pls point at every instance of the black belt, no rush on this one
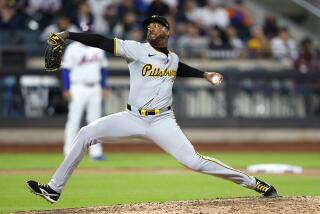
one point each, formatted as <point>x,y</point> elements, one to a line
<point>87,84</point>
<point>145,112</point>
<point>90,84</point>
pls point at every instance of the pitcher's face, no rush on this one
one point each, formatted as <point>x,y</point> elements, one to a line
<point>157,32</point>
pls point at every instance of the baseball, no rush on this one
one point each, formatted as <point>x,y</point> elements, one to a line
<point>216,79</point>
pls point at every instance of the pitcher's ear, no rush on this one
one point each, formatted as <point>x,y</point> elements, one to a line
<point>167,31</point>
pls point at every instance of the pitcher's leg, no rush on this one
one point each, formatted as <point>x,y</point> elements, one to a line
<point>71,161</point>
<point>167,134</point>
<point>113,126</point>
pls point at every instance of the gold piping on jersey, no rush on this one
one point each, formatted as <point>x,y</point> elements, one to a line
<point>210,160</point>
<point>150,71</point>
<point>115,46</point>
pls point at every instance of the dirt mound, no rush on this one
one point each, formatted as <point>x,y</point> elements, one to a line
<point>300,204</point>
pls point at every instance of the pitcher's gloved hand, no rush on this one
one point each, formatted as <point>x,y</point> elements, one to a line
<point>54,51</point>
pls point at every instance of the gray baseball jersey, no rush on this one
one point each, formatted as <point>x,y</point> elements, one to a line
<point>152,74</point>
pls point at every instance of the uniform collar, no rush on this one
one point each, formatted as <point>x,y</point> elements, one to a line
<point>162,50</point>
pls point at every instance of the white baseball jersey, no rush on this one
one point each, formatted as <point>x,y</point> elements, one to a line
<point>84,63</point>
<point>152,74</point>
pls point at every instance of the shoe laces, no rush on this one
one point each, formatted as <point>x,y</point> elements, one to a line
<point>262,187</point>
<point>44,186</point>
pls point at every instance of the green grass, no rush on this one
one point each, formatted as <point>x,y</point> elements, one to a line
<point>157,160</point>
<point>119,188</point>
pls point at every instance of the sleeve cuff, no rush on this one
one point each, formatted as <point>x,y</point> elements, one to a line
<point>115,47</point>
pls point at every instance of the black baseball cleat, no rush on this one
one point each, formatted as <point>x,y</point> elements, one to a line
<point>266,189</point>
<point>43,190</point>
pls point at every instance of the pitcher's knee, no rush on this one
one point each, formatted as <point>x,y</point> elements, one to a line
<point>84,135</point>
<point>192,162</point>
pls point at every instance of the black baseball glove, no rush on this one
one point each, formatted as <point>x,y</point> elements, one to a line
<point>54,52</point>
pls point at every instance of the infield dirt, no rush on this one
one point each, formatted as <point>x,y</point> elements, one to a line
<point>285,205</point>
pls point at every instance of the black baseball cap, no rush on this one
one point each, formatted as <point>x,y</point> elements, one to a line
<point>156,18</point>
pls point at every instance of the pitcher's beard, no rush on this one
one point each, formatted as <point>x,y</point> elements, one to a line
<point>158,41</point>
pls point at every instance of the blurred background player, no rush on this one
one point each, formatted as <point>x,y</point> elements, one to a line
<point>85,87</point>
<point>62,23</point>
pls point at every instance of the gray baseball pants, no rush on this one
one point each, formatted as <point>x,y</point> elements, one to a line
<point>161,129</point>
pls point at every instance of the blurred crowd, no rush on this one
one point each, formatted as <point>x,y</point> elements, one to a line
<point>204,28</point>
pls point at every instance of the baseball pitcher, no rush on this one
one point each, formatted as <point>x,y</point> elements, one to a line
<point>153,69</point>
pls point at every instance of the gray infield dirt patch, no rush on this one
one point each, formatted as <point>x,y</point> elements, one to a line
<point>281,205</point>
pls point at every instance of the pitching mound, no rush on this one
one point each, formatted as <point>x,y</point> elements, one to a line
<point>301,204</point>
